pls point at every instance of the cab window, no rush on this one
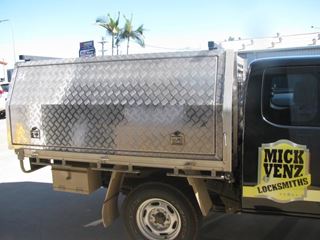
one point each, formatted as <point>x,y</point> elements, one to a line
<point>290,96</point>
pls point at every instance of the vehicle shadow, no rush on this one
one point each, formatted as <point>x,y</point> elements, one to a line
<point>30,210</point>
<point>220,226</point>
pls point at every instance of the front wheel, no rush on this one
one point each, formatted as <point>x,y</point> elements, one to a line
<point>157,211</point>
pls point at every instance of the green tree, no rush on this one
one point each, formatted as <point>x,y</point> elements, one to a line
<point>111,25</point>
<point>127,33</point>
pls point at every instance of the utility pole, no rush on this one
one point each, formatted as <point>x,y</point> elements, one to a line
<point>103,42</point>
<point>12,36</point>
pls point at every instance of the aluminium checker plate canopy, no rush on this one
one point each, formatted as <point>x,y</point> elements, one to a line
<point>167,105</point>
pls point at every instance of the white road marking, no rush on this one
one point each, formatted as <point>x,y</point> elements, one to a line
<point>94,223</point>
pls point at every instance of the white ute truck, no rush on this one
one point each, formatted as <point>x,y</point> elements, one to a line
<point>179,134</point>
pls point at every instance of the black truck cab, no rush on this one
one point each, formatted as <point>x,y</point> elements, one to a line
<point>281,148</point>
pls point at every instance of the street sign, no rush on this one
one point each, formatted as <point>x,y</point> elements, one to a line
<point>87,49</point>
<point>87,53</point>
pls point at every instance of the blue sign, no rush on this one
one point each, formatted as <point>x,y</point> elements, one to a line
<point>87,49</point>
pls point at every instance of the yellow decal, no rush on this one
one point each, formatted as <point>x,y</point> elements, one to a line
<point>283,172</point>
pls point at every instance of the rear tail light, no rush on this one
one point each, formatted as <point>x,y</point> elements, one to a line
<point>1,91</point>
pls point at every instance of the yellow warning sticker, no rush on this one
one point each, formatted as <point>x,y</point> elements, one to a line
<point>283,172</point>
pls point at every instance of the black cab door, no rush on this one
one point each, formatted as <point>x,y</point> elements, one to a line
<point>281,144</point>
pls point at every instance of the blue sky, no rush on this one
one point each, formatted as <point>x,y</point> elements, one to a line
<point>55,27</point>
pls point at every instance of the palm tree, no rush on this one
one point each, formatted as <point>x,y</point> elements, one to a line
<point>128,33</point>
<point>118,40</point>
<point>111,25</point>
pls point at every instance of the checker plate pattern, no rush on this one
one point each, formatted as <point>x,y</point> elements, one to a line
<point>126,104</point>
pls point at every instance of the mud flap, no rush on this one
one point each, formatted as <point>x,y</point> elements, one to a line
<point>201,193</point>
<point>110,210</point>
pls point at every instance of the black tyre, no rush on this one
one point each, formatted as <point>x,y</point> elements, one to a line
<point>156,211</point>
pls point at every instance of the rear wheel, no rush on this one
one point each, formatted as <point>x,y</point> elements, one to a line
<point>157,211</point>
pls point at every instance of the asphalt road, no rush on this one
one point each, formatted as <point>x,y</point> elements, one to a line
<point>31,210</point>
